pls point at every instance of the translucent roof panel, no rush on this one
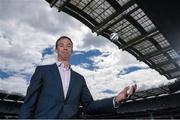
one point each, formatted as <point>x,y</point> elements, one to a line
<point>131,21</point>
<point>168,67</point>
<point>130,9</point>
<point>99,10</point>
<point>159,59</point>
<point>149,50</point>
<point>146,24</point>
<point>109,23</point>
<point>125,30</point>
<point>161,40</point>
<point>138,14</point>
<point>173,54</point>
<point>122,2</point>
<point>174,74</point>
<point>119,26</point>
<point>118,17</point>
<point>80,3</point>
<point>128,33</point>
<point>145,47</point>
<point>143,20</point>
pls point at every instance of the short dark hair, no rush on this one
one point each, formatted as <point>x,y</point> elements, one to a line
<point>63,37</point>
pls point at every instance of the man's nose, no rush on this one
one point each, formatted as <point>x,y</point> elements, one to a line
<point>65,48</point>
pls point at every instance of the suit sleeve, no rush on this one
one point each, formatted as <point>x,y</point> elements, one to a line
<point>90,106</point>
<point>32,94</point>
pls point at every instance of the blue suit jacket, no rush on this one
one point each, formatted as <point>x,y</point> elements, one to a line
<point>45,97</point>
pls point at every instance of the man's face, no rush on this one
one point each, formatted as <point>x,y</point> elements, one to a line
<point>64,49</point>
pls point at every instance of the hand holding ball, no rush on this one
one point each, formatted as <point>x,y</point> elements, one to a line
<point>132,88</point>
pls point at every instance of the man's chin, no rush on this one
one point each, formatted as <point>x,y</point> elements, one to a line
<point>67,58</point>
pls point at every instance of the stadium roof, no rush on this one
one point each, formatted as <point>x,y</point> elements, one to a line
<point>148,29</point>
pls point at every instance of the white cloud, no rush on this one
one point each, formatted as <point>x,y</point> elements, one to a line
<point>106,77</point>
<point>14,84</point>
<point>23,37</point>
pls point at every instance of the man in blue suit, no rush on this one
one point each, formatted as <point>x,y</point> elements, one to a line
<point>56,91</point>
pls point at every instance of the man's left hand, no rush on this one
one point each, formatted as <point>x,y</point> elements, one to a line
<point>125,93</point>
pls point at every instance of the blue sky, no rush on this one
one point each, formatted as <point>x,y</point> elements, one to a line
<point>28,32</point>
<point>83,57</point>
<point>4,74</point>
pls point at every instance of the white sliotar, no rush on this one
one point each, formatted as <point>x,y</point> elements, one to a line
<point>131,86</point>
<point>114,37</point>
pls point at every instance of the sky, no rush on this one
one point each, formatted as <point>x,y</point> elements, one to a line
<point>28,32</point>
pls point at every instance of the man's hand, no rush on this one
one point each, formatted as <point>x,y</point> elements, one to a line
<point>125,93</point>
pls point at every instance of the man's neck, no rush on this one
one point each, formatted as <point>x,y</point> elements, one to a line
<point>65,62</point>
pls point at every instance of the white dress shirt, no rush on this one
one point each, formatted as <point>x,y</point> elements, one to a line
<point>65,73</point>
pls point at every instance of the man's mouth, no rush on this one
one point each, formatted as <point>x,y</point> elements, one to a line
<point>65,53</point>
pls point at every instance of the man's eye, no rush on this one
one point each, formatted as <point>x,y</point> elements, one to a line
<point>60,45</point>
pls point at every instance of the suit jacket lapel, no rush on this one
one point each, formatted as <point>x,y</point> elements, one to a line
<point>57,77</point>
